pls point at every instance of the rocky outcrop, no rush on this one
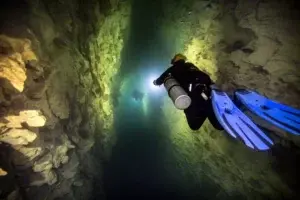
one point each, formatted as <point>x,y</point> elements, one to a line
<point>240,44</point>
<point>54,94</point>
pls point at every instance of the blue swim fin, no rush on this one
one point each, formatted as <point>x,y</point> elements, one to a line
<point>237,124</point>
<point>280,115</point>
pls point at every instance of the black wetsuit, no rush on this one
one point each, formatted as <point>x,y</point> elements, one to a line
<point>194,82</point>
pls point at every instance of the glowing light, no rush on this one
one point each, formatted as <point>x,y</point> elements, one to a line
<point>150,83</point>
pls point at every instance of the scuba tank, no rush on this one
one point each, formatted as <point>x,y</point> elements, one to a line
<point>179,97</point>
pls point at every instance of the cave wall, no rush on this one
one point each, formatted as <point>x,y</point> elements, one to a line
<point>58,60</point>
<point>252,44</point>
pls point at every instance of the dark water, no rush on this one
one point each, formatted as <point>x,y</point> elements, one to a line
<point>143,164</point>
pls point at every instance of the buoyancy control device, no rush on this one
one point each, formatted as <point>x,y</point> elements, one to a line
<point>178,95</point>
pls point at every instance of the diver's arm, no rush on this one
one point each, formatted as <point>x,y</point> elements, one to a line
<point>162,77</point>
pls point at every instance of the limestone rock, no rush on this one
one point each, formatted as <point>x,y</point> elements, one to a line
<point>15,53</point>
<point>44,163</point>
<point>58,100</point>
<point>23,155</point>
<point>32,118</point>
<point>37,90</point>
<point>85,144</point>
<point>236,37</point>
<point>18,137</point>
<point>22,46</point>
<point>69,170</point>
<point>63,190</point>
<point>46,177</point>
<point>265,49</point>
<point>58,144</point>
<point>39,80</point>
<point>237,57</point>
<point>12,72</point>
<point>3,172</point>
<point>60,155</point>
<point>3,100</point>
<point>43,105</point>
<point>27,54</point>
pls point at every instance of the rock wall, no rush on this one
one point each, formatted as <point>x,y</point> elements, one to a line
<point>251,44</point>
<point>57,62</point>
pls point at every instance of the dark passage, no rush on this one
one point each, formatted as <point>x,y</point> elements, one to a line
<point>142,163</point>
<point>136,168</point>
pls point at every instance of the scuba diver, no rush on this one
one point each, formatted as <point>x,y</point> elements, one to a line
<point>197,85</point>
<point>194,92</point>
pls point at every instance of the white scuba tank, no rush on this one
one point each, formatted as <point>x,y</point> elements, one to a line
<point>179,97</point>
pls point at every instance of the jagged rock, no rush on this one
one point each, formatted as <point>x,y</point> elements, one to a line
<point>41,79</point>
<point>18,137</point>
<point>32,118</point>
<point>85,144</point>
<point>52,106</point>
<point>236,37</point>
<point>60,155</point>
<point>43,105</point>
<point>45,177</point>
<point>12,62</point>
<point>37,91</point>
<point>22,46</point>
<point>27,54</point>
<point>58,144</point>
<point>63,189</point>
<point>23,156</point>
<point>44,163</point>
<point>12,73</point>
<point>265,49</point>
<point>237,57</point>
<point>3,172</point>
<point>58,100</point>
<point>69,169</point>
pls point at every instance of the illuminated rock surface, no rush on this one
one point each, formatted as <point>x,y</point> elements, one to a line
<point>80,119</point>
<point>57,63</point>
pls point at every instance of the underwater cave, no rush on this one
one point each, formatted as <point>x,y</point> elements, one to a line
<point>81,118</point>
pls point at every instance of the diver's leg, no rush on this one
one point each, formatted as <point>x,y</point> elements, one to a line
<point>212,118</point>
<point>194,117</point>
<point>195,122</point>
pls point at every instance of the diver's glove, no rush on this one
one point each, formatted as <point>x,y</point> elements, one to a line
<point>154,83</point>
